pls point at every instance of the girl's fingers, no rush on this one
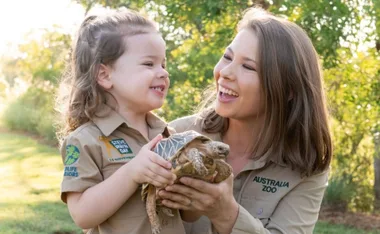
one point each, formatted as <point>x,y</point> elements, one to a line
<point>151,144</point>
<point>157,180</point>
<point>160,161</point>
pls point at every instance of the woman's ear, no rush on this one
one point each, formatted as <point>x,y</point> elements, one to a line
<point>104,77</point>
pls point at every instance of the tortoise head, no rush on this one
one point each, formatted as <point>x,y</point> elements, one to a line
<point>219,149</point>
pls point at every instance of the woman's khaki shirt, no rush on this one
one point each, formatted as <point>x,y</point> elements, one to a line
<point>273,198</point>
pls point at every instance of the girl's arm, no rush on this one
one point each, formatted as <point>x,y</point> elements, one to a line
<point>97,203</point>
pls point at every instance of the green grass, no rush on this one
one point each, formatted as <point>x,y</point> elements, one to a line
<point>326,228</point>
<point>30,198</point>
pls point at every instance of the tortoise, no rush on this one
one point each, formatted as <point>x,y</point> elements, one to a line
<point>191,154</point>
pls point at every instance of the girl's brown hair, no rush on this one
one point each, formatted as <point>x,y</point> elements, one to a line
<point>100,40</point>
<point>296,129</point>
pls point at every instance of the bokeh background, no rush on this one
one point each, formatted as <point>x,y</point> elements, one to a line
<point>34,49</point>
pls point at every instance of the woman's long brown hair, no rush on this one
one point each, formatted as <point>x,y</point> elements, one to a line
<point>296,129</point>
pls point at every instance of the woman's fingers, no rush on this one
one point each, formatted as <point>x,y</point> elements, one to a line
<point>175,197</point>
<point>174,205</point>
<point>184,190</point>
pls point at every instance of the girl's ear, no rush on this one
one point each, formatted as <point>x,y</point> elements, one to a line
<point>104,77</point>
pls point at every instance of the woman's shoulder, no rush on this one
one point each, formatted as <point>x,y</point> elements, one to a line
<point>186,123</point>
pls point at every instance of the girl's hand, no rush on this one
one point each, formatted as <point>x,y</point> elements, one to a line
<point>213,200</point>
<point>148,167</point>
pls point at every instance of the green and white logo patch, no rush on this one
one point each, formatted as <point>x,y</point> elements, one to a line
<point>72,154</point>
<point>121,145</point>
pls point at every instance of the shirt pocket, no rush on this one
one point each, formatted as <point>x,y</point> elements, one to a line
<point>259,208</point>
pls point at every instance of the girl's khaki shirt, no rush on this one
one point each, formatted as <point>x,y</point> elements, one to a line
<point>94,151</point>
<point>272,197</point>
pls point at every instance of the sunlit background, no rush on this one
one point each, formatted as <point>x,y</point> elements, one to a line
<point>35,40</point>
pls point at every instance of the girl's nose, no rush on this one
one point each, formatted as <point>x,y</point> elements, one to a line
<point>163,73</point>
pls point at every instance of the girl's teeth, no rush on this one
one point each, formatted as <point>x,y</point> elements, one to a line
<point>158,88</point>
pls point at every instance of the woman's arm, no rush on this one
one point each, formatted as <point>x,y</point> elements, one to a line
<point>297,212</point>
<point>197,197</point>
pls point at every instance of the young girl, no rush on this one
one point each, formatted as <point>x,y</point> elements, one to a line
<point>117,78</point>
<point>269,106</point>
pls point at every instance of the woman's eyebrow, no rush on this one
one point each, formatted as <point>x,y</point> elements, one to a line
<point>248,59</point>
<point>244,57</point>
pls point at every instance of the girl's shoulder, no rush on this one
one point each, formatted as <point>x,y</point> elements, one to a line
<point>84,133</point>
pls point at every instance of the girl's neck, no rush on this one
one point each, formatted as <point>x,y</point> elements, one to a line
<point>242,136</point>
<point>135,120</point>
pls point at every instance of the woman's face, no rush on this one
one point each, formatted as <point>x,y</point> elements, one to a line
<point>238,85</point>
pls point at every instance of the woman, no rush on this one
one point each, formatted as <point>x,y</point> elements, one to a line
<point>270,108</point>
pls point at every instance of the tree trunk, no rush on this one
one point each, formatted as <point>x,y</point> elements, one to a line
<point>377,173</point>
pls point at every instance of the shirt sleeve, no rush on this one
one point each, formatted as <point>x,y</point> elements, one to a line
<point>82,164</point>
<point>296,213</point>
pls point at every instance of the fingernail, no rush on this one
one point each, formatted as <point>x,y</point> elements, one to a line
<point>183,180</point>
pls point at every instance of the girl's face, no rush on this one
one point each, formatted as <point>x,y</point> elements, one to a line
<point>139,80</point>
<point>238,85</point>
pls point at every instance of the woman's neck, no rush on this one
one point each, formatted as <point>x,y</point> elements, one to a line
<point>242,136</point>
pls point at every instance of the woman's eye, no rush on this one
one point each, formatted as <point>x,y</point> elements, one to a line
<point>149,64</point>
<point>227,57</point>
<point>249,67</point>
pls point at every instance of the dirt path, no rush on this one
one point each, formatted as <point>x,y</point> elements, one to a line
<point>356,220</point>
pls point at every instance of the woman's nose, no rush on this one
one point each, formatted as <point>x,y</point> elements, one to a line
<point>228,72</point>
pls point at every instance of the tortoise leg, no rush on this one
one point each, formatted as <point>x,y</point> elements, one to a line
<point>224,171</point>
<point>167,211</point>
<point>196,159</point>
<point>151,210</point>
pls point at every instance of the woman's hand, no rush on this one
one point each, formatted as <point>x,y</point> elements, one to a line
<point>216,201</point>
<point>148,167</point>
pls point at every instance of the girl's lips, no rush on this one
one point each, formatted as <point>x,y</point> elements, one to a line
<point>158,90</point>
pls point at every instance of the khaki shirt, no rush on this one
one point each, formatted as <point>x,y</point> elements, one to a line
<point>94,151</point>
<point>272,197</point>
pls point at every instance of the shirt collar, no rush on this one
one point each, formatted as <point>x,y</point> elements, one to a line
<point>107,119</point>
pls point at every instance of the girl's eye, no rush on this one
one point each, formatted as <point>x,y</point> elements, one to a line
<point>227,57</point>
<point>149,64</point>
<point>164,65</point>
<point>249,68</point>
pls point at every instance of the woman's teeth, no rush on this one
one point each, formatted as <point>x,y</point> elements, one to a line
<point>228,91</point>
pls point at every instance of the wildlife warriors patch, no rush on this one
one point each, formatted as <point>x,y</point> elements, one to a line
<point>72,154</point>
